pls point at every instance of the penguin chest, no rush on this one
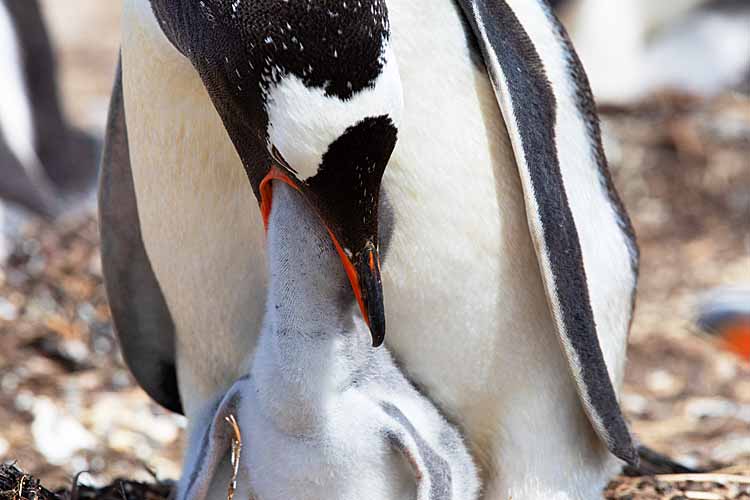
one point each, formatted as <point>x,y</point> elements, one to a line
<point>466,311</point>
<point>348,457</point>
<point>199,219</point>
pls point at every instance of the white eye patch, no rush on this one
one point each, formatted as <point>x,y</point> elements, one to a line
<point>303,121</point>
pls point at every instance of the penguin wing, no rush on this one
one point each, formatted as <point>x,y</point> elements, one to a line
<point>139,311</point>
<point>432,471</point>
<point>220,434</point>
<point>582,236</point>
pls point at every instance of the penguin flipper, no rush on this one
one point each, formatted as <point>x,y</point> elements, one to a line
<point>203,458</point>
<point>432,471</point>
<point>583,239</point>
<point>140,314</point>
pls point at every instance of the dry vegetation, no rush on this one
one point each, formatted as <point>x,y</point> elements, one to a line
<point>683,167</point>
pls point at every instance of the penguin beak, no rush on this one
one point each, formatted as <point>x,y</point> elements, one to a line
<point>363,271</point>
<point>736,338</point>
<point>362,266</point>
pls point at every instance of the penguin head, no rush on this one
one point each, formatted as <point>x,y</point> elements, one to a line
<point>310,95</point>
<point>724,314</point>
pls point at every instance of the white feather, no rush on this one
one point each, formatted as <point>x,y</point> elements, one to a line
<point>304,121</point>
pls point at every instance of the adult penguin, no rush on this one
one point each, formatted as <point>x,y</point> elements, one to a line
<point>43,159</point>
<point>510,267</point>
<point>636,48</point>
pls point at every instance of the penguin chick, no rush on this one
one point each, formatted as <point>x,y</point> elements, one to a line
<point>323,414</point>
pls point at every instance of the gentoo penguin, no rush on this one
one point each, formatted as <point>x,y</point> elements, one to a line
<point>712,44</point>
<point>634,48</point>
<point>23,180</point>
<point>724,313</point>
<point>323,414</point>
<point>43,160</point>
<point>511,264</point>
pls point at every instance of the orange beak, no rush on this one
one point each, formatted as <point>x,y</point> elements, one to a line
<point>362,268</point>
<point>736,338</point>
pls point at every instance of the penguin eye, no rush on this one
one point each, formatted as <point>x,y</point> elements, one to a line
<point>279,158</point>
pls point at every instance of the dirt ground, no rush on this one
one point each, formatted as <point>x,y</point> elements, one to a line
<point>67,404</point>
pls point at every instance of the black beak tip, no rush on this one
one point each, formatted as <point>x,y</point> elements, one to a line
<point>377,331</point>
<point>372,293</point>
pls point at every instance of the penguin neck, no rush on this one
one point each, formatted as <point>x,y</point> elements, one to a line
<point>313,341</point>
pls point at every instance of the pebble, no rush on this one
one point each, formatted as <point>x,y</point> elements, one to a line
<point>731,448</point>
<point>710,407</point>
<point>8,310</point>
<point>140,422</point>
<point>634,403</point>
<point>58,436</point>
<point>663,384</point>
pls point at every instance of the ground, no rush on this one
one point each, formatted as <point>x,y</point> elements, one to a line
<point>682,166</point>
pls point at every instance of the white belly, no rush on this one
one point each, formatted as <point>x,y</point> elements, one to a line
<point>466,312</point>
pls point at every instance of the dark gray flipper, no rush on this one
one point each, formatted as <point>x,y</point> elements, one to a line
<point>432,471</point>
<point>531,105</point>
<point>653,462</point>
<point>139,311</point>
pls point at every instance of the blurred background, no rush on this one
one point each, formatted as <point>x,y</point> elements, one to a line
<point>672,80</point>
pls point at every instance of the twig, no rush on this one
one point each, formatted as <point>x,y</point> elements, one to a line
<point>74,491</point>
<point>150,471</point>
<point>236,451</point>
<point>704,478</point>
<point>19,493</point>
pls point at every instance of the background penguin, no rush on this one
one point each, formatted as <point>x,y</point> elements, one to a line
<point>507,239</point>
<point>322,413</point>
<point>44,162</point>
<point>636,47</point>
<point>724,313</point>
